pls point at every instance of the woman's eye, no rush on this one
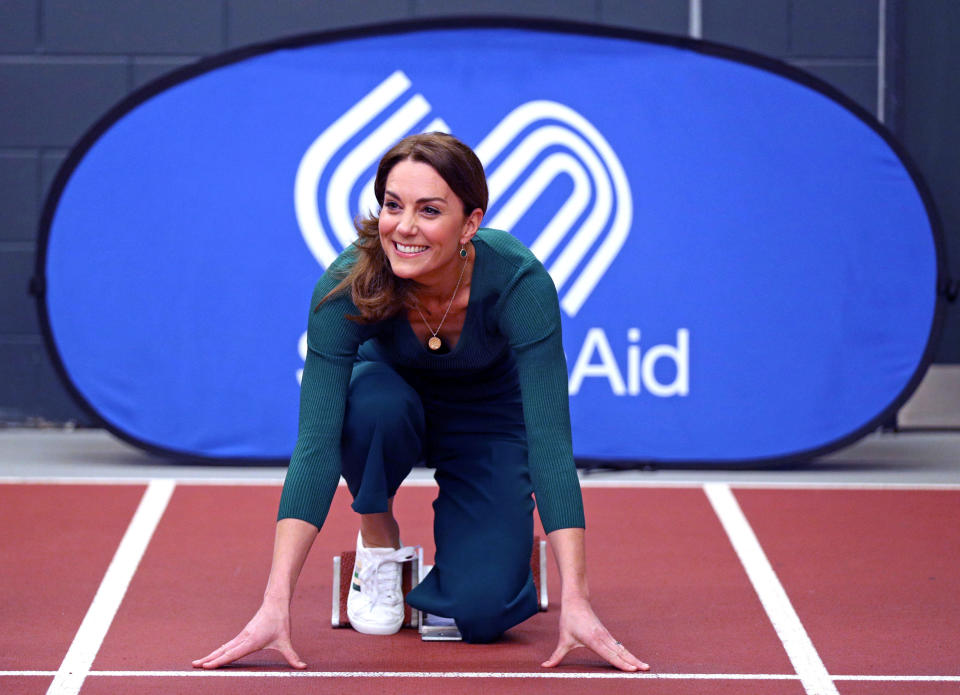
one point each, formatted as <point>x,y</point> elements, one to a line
<point>431,210</point>
<point>391,205</point>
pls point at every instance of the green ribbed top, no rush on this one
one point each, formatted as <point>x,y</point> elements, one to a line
<point>513,305</point>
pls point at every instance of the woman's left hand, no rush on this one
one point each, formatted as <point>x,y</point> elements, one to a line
<point>580,627</point>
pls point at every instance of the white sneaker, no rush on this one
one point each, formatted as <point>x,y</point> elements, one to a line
<point>375,601</point>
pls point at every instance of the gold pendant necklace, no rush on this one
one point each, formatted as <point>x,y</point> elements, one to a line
<point>434,342</point>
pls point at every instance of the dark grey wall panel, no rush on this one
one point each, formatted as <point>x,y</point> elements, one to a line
<point>132,26</point>
<point>949,349</point>
<point>29,387</point>
<point>50,163</point>
<point>931,108</point>
<point>669,16</point>
<point>252,21</point>
<point>150,68</point>
<point>19,197</point>
<point>859,82</point>
<point>827,28</point>
<point>18,25</point>
<point>550,9</point>
<point>757,25</point>
<point>19,314</point>
<point>52,101</point>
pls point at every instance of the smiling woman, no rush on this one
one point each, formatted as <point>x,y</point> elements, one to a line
<point>433,195</point>
<point>484,402</point>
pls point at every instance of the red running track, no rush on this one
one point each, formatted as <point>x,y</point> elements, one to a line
<point>871,574</point>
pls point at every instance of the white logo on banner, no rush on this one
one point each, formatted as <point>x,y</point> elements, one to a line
<point>585,157</point>
<point>596,216</point>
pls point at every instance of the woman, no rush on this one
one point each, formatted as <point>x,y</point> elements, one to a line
<point>434,340</point>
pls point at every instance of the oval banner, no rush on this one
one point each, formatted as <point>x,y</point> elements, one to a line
<point>746,264</point>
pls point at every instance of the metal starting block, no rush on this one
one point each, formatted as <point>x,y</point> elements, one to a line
<point>431,627</point>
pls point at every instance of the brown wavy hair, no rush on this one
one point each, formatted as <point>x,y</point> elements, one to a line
<point>376,292</point>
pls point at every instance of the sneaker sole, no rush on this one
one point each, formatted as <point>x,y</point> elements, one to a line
<point>374,629</point>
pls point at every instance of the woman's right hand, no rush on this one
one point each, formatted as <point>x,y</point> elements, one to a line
<point>269,629</point>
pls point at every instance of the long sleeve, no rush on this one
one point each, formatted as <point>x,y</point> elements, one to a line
<point>314,471</point>
<point>530,318</point>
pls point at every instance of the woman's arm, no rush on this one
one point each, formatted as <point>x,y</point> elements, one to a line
<point>579,625</point>
<point>290,548</point>
<point>530,318</point>
<point>270,626</point>
<point>309,487</point>
<point>311,479</point>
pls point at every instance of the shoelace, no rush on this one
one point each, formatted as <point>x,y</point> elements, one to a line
<point>380,573</point>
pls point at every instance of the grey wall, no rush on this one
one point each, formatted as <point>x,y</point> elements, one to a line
<point>928,116</point>
<point>63,63</point>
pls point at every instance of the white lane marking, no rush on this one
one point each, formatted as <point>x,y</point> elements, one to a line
<point>456,674</point>
<point>86,643</point>
<point>765,485</point>
<point>471,674</point>
<point>948,679</point>
<point>800,650</point>
<point>107,480</point>
<point>585,481</point>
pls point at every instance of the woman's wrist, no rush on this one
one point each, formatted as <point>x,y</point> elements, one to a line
<point>280,586</point>
<point>277,596</point>
<point>291,545</point>
<point>575,591</point>
<point>568,549</point>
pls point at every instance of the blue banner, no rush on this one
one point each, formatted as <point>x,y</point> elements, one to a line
<point>746,266</point>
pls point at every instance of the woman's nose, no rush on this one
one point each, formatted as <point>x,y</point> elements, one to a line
<point>407,224</point>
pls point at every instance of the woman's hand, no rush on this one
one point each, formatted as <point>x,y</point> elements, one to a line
<point>269,629</point>
<point>580,627</point>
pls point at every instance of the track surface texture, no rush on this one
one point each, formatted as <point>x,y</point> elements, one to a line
<point>779,589</point>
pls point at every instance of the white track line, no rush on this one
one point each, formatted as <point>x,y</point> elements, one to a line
<point>947,679</point>
<point>806,662</point>
<point>585,481</point>
<point>766,485</point>
<point>76,664</point>
<point>474,674</point>
<point>93,480</point>
<point>594,675</point>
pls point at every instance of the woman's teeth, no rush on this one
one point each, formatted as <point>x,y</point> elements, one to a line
<point>402,248</point>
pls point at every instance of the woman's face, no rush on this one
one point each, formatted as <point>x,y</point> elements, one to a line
<point>422,223</point>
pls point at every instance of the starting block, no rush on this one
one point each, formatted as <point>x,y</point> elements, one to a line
<point>431,627</point>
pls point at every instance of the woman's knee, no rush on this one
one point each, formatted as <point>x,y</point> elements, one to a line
<point>382,436</point>
<point>481,618</point>
<point>379,400</point>
<point>480,630</point>
<point>485,617</point>
<point>490,605</point>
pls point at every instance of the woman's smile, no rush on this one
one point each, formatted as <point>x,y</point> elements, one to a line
<point>408,249</point>
<point>422,226</point>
